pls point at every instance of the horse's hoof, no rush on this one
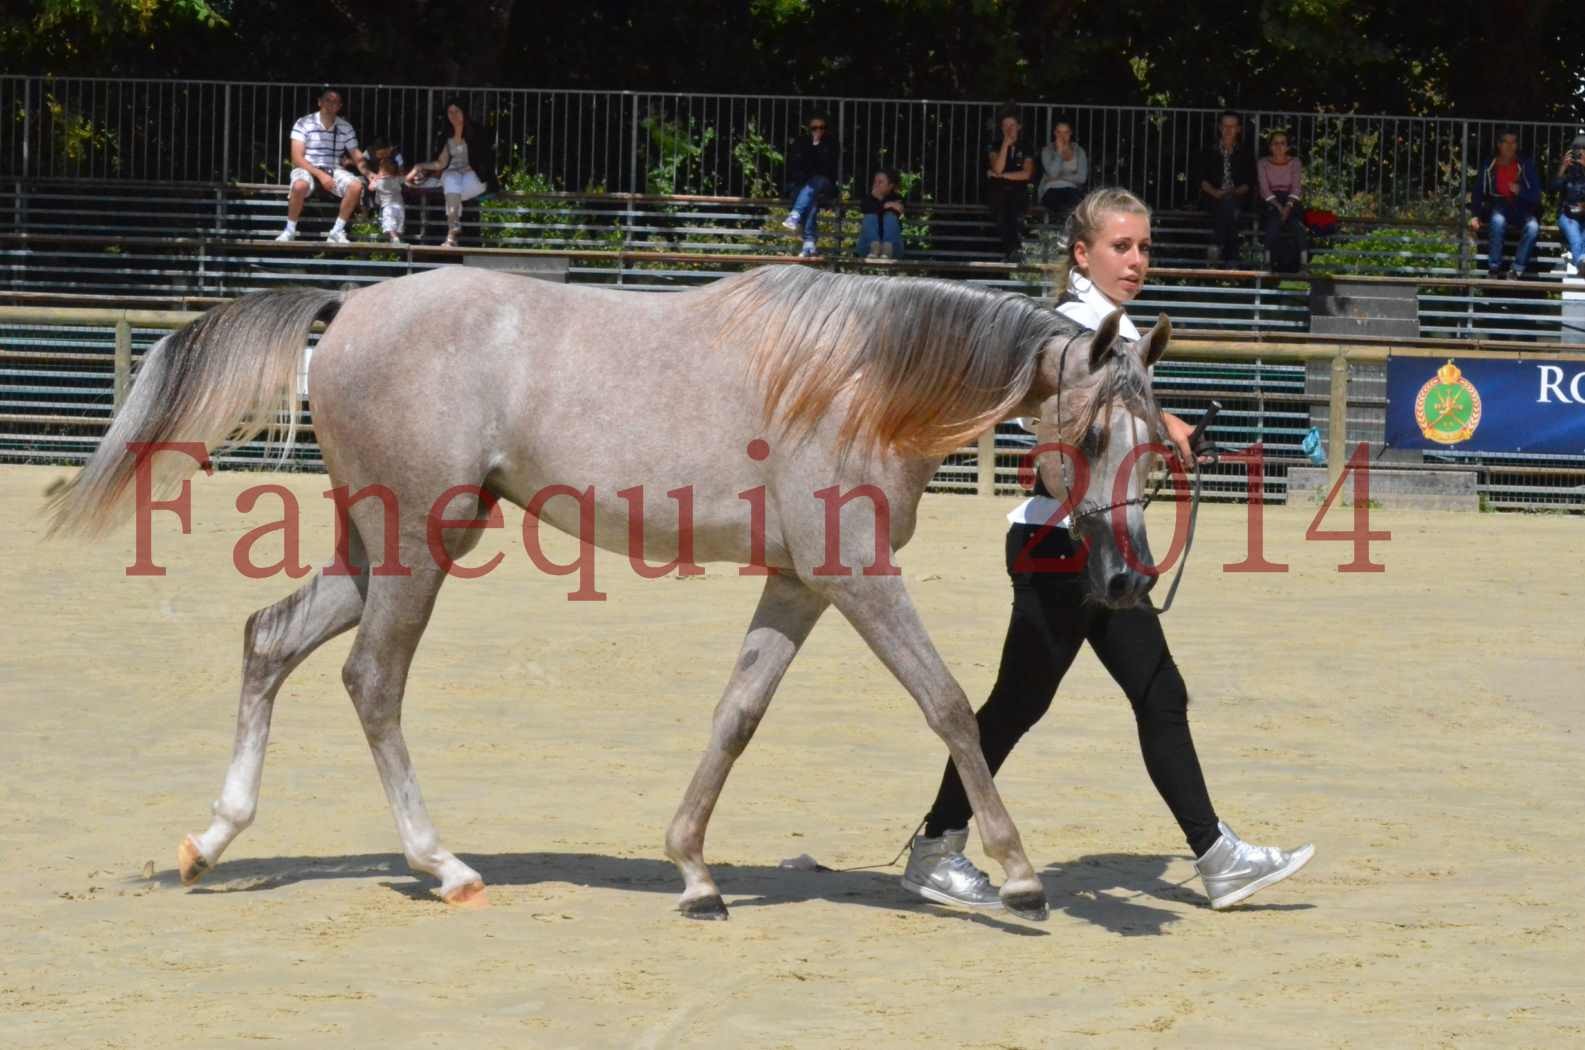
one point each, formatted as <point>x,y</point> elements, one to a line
<point>190,863</point>
<point>1031,906</point>
<point>469,895</point>
<point>711,907</point>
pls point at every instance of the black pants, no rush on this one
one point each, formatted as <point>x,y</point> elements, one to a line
<point>1059,201</point>
<point>1276,229</point>
<point>1008,201</point>
<point>1050,623</point>
<point>1226,214</point>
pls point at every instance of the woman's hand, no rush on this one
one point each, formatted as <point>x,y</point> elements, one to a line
<point>1178,434</point>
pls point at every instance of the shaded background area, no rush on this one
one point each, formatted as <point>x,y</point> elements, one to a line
<point>1493,58</point>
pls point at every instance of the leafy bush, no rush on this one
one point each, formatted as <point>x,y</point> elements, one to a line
<point>677,153</point>
<point>533,214</point>
<point>759,161</point>
<point>1388,250</point>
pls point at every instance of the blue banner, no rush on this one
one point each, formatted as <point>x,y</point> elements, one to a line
<point>1465,404</point>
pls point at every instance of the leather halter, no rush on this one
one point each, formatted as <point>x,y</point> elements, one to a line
<point>1077,515</point>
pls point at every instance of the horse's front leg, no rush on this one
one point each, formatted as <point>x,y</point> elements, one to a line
<point>881,611</point>
<point>786,614</point>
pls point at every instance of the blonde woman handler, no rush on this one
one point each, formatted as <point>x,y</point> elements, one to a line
<point>1109,254</point>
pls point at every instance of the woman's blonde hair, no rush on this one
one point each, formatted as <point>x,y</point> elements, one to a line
<point>1086,220</point>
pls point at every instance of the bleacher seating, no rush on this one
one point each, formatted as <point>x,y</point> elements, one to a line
<point>190,246</point>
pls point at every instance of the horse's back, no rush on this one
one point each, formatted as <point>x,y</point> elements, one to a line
<point>460,374</point>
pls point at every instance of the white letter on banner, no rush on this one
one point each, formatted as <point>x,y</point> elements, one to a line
<point>1573,387</point>
<point>1554,381</point>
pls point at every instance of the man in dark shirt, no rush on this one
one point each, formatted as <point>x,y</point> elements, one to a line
<point>811,178</point>
<point>1225,174</point>
<point>1009,171</point>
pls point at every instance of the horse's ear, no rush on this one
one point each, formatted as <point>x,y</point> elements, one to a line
<point>1105,335</point>
<point>1155,341</point>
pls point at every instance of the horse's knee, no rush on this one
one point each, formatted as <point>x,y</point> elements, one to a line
<point>734,728</point>
<point>953,721</point>
<point>370,687</point>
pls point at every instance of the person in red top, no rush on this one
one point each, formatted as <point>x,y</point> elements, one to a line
<point>1507,193</point>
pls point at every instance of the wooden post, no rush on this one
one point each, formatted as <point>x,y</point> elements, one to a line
<point>987,463</point>
<point>1337,420</point>
<point>123,361</point>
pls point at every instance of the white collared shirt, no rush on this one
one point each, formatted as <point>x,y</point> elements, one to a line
<point>1090,308</point>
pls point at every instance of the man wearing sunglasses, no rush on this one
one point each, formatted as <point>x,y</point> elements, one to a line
<point>811,178</point>
<point>318,142</point>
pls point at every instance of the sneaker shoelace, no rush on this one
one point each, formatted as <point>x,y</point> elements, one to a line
<point>964,866</point>
<point>1271,855</point>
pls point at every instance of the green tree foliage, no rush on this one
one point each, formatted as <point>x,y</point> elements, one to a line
<point>1479,58</point>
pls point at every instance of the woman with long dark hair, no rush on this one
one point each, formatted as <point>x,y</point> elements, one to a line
<point>465,161</point>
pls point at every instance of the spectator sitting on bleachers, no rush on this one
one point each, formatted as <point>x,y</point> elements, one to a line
<point>1507,193</point>
<point>318,143</point>
<point>386,183</point>
<point>811,178</point>
<point>1281,177</point>
<point>1570,183</point>
<point>1225,175</point>
<point>464,152</point>
<point>881,228</point>
<point>1008,173</point>
<point>1067,171</point>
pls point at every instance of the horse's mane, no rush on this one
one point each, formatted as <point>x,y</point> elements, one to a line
<point>928,365</point>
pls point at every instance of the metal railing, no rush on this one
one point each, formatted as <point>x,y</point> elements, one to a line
<point>201,131</point>
<point>64,371</point>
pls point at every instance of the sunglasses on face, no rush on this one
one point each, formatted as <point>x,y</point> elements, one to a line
<point>817,127</point>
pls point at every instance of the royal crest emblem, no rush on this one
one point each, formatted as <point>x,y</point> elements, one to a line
<point>1447,408</point>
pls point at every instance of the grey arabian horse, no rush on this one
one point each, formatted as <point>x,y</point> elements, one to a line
<point>762,389</point>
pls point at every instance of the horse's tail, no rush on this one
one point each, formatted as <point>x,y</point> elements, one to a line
<point>220,381</point>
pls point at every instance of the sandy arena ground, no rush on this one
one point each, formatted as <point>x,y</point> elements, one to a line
<point>1421,726</point>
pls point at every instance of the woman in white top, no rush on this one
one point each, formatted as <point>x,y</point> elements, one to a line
<point>1067,170</point>
<point>464,153</point>
<point>1108,256</point>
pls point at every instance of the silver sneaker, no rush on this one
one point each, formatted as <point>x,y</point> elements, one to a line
<point>792,222</point>
<point>938,871</point>
<point>1232,869</point>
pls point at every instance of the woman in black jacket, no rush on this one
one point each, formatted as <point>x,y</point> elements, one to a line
<point>1570,184</point>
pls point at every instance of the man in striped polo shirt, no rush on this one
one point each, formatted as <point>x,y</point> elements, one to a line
<point>318,142</point>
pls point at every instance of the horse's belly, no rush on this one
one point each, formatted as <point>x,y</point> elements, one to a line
<point>699,523</point>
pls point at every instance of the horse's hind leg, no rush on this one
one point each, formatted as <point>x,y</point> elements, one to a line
<point>275,641</point>
<point>394,617</point>
<point>786,614</point>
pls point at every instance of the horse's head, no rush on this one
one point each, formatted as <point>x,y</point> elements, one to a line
<point>1096,400</point>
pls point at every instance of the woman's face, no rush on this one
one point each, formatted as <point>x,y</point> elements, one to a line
<point>1118,257</point>
<point>1279,147</point>
<point>1061,135</point>
<point>455,115</point>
